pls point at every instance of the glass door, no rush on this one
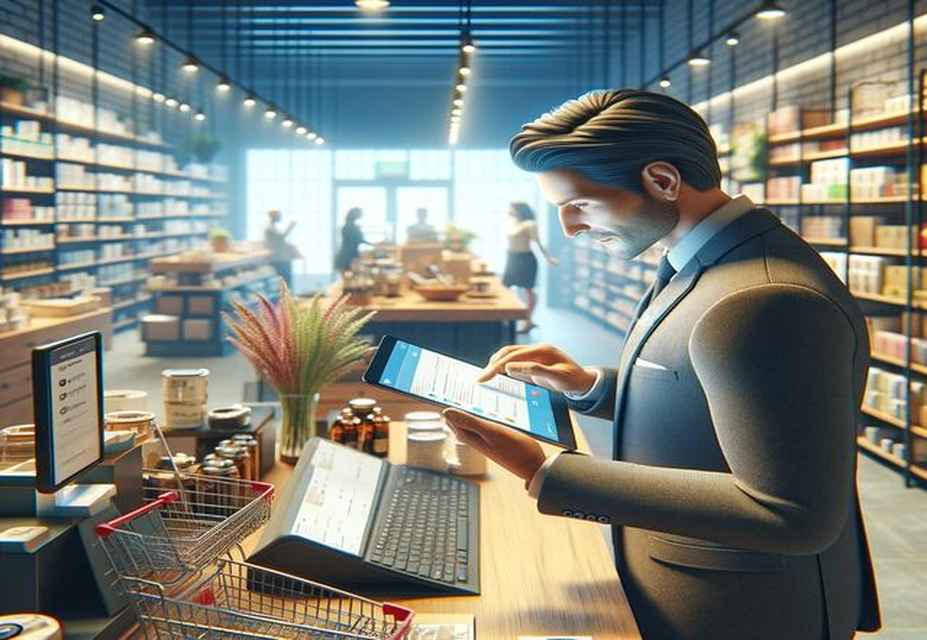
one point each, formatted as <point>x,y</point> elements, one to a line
<point>410,199</point>
<point>373,202</point>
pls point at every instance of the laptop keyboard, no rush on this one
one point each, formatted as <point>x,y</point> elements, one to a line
<point>425,527</point>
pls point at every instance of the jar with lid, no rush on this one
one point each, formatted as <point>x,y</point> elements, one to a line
<point>240,456</point>
<point>336,431</point>
<point>214,491</point>
<point>250,442</point>
<point>381,435</point>
<point>366,433</point>
<point>351,430</point>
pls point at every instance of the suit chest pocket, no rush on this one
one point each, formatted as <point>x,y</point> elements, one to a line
<point>644,370</point>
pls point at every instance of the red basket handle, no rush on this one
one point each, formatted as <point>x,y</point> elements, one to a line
<point>105,528</point>
<point>403,615</point>
<point>263,489</point>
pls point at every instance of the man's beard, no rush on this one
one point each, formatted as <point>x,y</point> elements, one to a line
<point>653,222</point>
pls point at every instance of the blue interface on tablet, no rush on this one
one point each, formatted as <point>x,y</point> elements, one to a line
<point>437,377</point>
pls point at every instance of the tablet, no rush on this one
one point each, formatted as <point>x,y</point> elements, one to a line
<point>446,381</point>
<point>67,391</point>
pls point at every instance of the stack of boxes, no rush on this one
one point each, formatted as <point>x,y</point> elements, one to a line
<point>783,188</point>
<point>828,181</point>
<point>14,176</point>
<point>868,183</point>
<point>885,392</point>
<point>22,209</point>
<point>26,137</point>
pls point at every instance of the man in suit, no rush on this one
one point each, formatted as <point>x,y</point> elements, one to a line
<point>732,487</point>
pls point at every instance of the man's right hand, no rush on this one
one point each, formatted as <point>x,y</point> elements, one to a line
<point>540,364</point>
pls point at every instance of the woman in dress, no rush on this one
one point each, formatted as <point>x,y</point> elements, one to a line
<point>351,239</point>
<point>521,265</point>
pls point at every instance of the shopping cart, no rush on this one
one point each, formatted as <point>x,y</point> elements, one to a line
<point>173,559</point>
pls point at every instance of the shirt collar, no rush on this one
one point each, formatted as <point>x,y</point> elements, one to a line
<point>691,243</point>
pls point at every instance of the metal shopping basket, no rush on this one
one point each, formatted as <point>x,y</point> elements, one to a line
<point>182,531</point>
<point>241,600</point>
<point>182,595</point>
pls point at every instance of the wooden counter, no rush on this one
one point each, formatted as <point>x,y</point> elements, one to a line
<point>16,347</point>
<point>540,575</point>
<point>210,262</point>
<point>472,328</point>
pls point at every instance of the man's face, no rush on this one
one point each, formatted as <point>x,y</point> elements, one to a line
<point>625,222</point>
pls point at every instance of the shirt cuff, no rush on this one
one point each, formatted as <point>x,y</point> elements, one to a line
<point>534,487</point>
<point>593,390</point>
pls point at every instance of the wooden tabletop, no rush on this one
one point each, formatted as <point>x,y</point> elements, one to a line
<point>540,575</point>
<point>39,323</point>
<point>209,262</point>
<point>409,306</point>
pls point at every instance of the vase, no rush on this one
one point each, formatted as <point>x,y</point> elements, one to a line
<point>297,424</point>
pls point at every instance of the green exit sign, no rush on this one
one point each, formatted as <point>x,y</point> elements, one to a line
<point>392,169</point>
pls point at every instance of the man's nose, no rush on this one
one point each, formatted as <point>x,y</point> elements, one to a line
<point>570,221</point>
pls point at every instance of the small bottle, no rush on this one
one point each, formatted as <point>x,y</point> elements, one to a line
<point>365,437</point>
<point>351,430</point>
<point>381,436</point>
<point>336,431</point>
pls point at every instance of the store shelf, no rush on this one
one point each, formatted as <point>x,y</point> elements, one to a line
<point>919,472</point>
<point>809,157</point>
<point>26,274</point>
<point>125,323</point>
<point>114,220</point>
<point>125,304</point>
<point>81,240</point>
<point>35,190</point>
<point>881,251</point>
<point>17,252</point>
<point>26,223</point>
<point>898,362</point>
<point>829,242</point>
<point>25,112</point>
<point>76,266</point>
<point>896,148</point>
<point>884,417</point>
<point>74,187</point>
<point>876,297</point>
<point>27,156</point>
<point>117,283</point>
<point>841,129</point>
<point>877,450</point>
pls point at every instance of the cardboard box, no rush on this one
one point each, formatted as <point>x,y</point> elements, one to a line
<point>197,329</point>
<point>863,230</point>
<point>160,328</point>
<point>457,265</point>
<point>169,305</point>
<point>201,305</point>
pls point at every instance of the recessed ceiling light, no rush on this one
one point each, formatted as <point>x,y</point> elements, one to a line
<point>249,101</point>
<point>732,39</point>
<point>372,5</point>
<point>171,102</point>
<point>320,140</point>
<point>312,135</point>
<point>301,130</point>
<point>665,82</point>
<point>184,107</point>
<point>223,85</point>
<point>465,70</point>
<point>157,97</point>
<point>200,116</point>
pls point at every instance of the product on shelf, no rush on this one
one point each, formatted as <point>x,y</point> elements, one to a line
<point>75,205</point>
<point>27,240</point>
<point>25,137</point>
<point>14,176</point>
<point>783,188</point>
<point>13,315</point>
<point>823,227</point>
<point>863,230</point>
<point>885,392</point>
<point>792,118</point>
<point>878,182</point>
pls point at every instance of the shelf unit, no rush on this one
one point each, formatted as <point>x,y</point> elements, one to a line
<point>129,301</point>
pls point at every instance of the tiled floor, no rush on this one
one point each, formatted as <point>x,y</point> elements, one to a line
<point>896,517</point>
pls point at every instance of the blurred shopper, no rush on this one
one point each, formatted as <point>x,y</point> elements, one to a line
<point>351,239</point>
<point>421,231</point>
<point>521,266</point>
<point>282,253</point>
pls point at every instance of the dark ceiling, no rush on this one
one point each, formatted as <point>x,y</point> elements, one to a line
<point>409,49</point>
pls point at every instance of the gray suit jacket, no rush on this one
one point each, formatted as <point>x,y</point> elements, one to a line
<point>733,491</point>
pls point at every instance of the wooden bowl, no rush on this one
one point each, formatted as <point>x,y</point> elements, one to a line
<point>442,292</point>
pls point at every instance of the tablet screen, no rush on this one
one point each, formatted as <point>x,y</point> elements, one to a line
<point>434,376</point>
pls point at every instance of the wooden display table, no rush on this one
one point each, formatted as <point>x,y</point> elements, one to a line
<point>16,347</point>
<point>473,328</point>
<point>540,575</point>
<point>188,317</point>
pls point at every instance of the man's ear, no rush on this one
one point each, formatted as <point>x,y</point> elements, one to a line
<point>661,181</point>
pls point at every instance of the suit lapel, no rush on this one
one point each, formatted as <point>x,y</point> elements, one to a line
<point>668,298</point>
<point>644,323</point>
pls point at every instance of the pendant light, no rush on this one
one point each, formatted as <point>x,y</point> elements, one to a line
<point>698,59</point>
<point>200,116</point>
<point>770,10</point>
<point>249,101</point>
<point>223,86</point>
<point>190,65</point>
<point>97,14</point>
<point>665,82</point>
<point>145,37</point>
<point>732,39</point>
<point>171,102</point>
<point>270,112</point>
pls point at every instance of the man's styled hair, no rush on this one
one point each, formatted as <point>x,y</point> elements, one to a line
<point>610,136</point>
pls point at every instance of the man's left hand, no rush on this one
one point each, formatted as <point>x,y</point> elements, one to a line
<point>517,452</point>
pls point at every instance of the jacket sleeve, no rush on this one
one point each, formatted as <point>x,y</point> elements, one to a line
<point>600,404</point>
<point>776,364</point>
